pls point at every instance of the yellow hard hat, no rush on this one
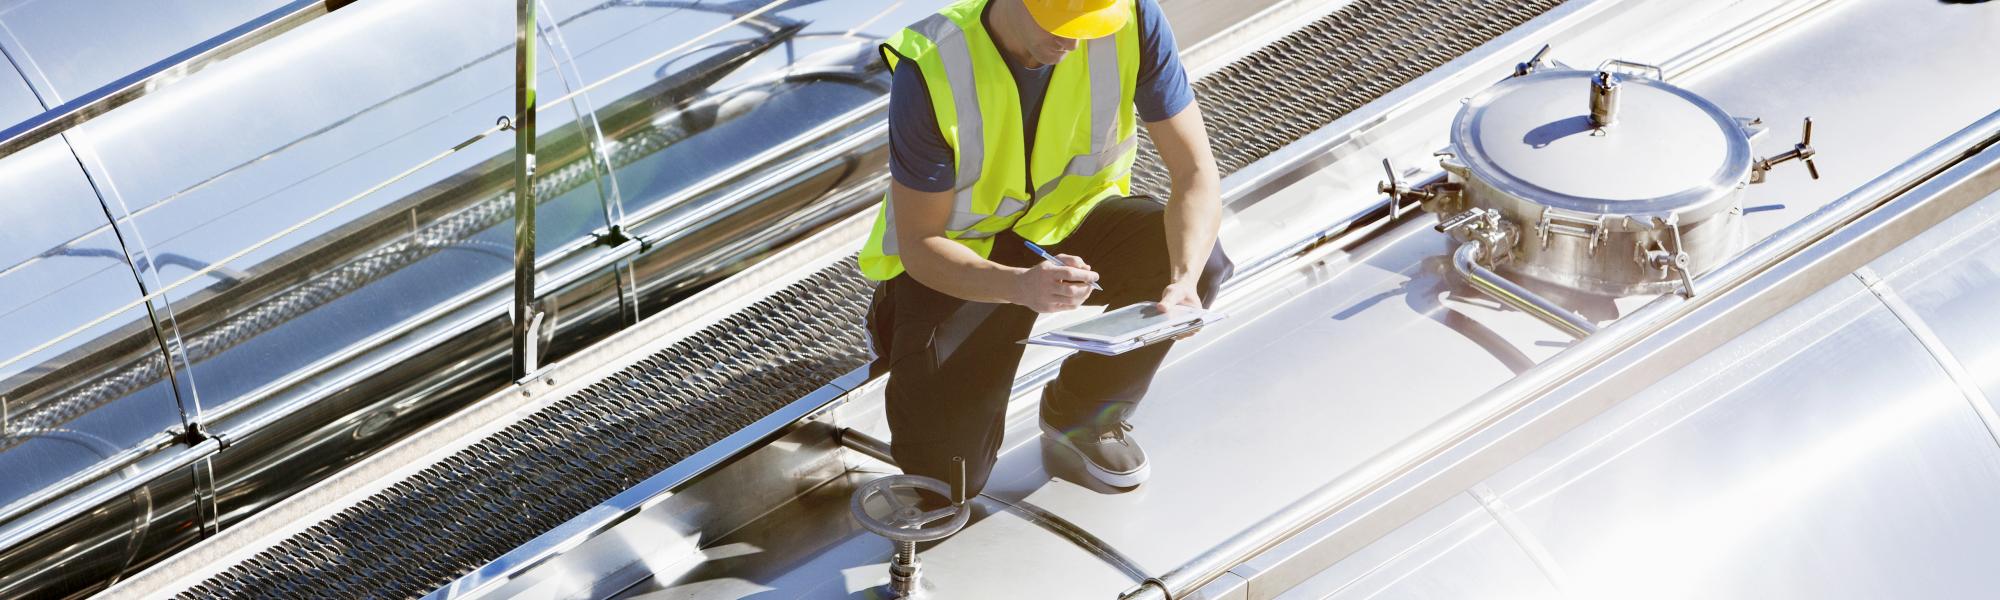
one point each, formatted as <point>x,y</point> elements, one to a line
<point>1081,19</point>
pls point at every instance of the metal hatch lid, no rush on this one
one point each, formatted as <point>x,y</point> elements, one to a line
<point>1669,150</point>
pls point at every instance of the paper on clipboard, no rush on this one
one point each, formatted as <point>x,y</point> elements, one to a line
<point>1057,339</point>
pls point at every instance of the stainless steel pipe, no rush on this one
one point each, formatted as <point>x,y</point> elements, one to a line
<point>1466,262</point>
<point>866,444</point>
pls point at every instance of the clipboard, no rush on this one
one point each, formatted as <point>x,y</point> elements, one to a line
<point>1055,338</point>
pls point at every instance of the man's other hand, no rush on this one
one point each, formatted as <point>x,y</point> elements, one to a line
<point>1180,294</point>
<point>1047,288</point>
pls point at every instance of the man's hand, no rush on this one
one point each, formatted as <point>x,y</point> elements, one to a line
<point>1180,294</point>
<point>1046,288</point>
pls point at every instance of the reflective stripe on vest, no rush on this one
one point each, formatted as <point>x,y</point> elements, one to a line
<point>947,45</point>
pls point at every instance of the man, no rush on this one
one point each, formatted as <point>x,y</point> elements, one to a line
<point>1013,121</point>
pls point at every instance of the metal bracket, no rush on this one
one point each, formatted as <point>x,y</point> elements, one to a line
<point>1556,221</point>
<point>195,433</point>
<point>615,236</point>
<point>531,351</point>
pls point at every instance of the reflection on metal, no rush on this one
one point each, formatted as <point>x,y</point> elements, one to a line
<point>1968,385</point>
<point>525,359</point>
<point>468,221</point>
<point>141,496</point>
<point>600,147</point>
<point>1076,534</point>
<point>395,380</point>
<point>683,48</point>
<point>1500,427</point>
<point>160,74</point>
<point>259,245</point>
<point>1523,536</point>
<point>204,496</point>
<point>190,411</point>
<point>21,529</point>
<point>1889,440</point>
<point>299,299</point>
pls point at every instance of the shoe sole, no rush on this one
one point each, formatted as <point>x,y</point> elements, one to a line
<point>1120,480</point>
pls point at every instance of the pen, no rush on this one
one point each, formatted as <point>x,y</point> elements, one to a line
<point>1052,260</point>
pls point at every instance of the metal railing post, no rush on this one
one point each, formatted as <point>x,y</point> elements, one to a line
<point>525,323</point>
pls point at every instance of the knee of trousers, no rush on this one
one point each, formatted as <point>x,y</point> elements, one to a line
<point>958,451</point>
<point>937,412</point>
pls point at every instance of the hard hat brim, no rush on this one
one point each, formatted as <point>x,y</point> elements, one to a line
<point>1083,25</point>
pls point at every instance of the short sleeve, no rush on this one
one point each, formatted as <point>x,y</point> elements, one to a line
<point>919,158</point>
<point>1163,89</point>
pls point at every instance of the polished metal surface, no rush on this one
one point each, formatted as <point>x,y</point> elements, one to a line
<point>1458,548</point>
<point>1340,333</point>
<point>1604,28</point>
<point>43,39</point>
<point>1949,288</point>
<point>1641,367</point>
<point>322,298</point>
<point>1744,494</point>
<point>1456,465</point>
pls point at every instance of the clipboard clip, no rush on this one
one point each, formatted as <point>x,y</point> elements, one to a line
<point>1178,333</point>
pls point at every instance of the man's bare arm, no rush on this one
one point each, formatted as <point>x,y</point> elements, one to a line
<point>950,267</point>
<point>1194,213</point>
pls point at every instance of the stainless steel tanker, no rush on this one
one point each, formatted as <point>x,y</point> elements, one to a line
<point>1586,342</point>
<point>208,223</point>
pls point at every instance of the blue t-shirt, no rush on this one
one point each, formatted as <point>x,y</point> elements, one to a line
<point>920,159</point>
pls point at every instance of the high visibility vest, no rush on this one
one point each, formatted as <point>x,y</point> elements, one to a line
<point>1085,141</point>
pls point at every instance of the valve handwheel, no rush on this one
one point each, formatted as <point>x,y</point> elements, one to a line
<point>904,521</point>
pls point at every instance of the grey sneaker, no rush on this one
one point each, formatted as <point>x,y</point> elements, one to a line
<point>1112,455</point>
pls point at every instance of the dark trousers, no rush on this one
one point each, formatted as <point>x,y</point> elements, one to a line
<point>952,362</point>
